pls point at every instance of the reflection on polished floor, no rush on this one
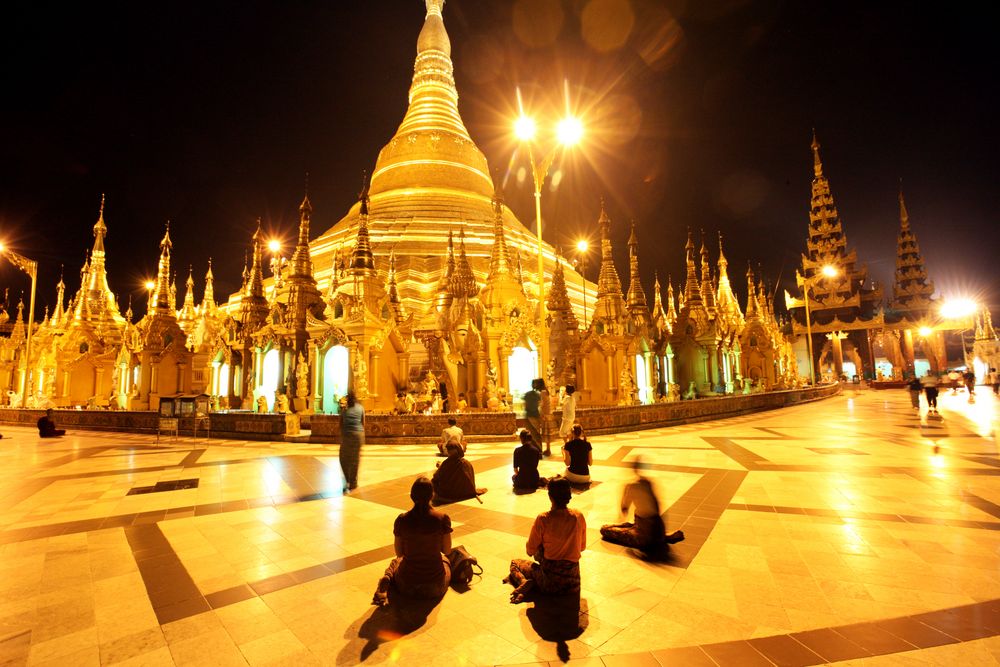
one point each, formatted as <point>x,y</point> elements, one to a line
<point>849,529</point>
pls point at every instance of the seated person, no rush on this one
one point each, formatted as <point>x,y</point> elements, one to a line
<point>452,434</point>
<point>463,405</point>
<point>411,402</point>
<point>526,458</point>
<point>47,427</point>
<point>422,538</point>
<point>455,479</point>
<point>399,406</point>
<point>648,532</point>
<point>578,455</point>
<point>556,540</point>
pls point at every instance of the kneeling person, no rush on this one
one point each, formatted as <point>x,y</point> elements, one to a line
<point>47,427</point>
<point>455,478</point>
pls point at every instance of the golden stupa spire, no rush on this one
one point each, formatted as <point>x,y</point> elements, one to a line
<point>57,313</point>
<point>752,305</point>
<point>911,290</point>
<point>432,125</point>
<point>636,295</point>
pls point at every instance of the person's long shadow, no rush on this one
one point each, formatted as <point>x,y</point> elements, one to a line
<point>559,619</point>
<point>402,617</point>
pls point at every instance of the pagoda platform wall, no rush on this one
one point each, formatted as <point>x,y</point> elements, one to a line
<point>410,429</point>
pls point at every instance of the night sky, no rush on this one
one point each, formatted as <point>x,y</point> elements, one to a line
<point>699,114</point>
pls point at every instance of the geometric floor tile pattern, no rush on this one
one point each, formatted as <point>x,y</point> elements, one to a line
<point>853,529</point>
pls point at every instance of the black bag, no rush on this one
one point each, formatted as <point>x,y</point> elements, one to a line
<point>463,566</point>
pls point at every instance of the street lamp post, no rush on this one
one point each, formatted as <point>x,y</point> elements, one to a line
<point>581,247</point>
<point>569,131</point>
<point>30,267</point>
<point>826,272</point>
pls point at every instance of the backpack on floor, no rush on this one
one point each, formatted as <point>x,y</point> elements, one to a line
<point>463,566</point>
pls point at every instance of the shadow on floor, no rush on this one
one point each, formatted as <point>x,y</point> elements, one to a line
<point>558,618</point>
<point>380,625</point>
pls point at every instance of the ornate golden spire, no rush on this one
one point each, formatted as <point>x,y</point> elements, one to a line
<point>432,131</point>
<point>707,286</point>
<point>692,290</point>
<point>608,283</point>
<point>726,302</point>
<point>255,282</point>
<point>817,163</point>
<point>753,308</point>
<point>911,291</point>
<point>636,295</point>
<point>463,282</point>
<point>188,313</point>
<point>671,310</point>
<point>161,297</point>
<point>362,258</point>
<point>59,313</point>
<point>208,305</point>
<point>100,229</point>
<point>301,261</point>
<point>500,263</point>
<point>558,302</point>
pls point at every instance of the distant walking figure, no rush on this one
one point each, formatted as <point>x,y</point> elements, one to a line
<point>930,384</point>
<point>352,438</point>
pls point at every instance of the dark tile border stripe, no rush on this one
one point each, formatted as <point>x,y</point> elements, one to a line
<point>841,515</point>
<point>172,592</point>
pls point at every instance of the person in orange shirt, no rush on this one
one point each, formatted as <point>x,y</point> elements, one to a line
<point>557,537</point>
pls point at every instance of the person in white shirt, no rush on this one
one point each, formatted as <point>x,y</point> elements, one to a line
<point>568,414</point>
<point>453,435</point>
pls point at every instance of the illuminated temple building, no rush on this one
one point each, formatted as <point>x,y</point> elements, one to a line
<point>427,285</point>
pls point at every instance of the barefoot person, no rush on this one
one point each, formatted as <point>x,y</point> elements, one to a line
<point>578,455</point>
<point>422,538</point>
<point>555,542</point>
<point>568,413</point>
<point>647,532</point>
<point>352,434</point>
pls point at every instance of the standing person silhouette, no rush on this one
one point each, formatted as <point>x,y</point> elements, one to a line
<point>352,438</point>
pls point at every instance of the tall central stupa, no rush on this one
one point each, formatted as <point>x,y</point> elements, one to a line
<point>429,181</point>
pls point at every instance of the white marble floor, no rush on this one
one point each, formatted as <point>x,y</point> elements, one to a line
<point>853,528</point>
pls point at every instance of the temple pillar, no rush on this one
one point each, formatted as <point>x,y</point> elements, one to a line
<point>836,338</point>
<point>314,358</point>
<point>504,370</point>
<point>98,384</point>
<point>404,370</point>
<point>909,358</point>
<point>612,378</point>
<point>65,386</point>
<point>373,375</point>
<point>475,397</point>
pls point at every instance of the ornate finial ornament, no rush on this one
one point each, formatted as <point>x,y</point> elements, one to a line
<point>434,7</point>
<point>817,164</point>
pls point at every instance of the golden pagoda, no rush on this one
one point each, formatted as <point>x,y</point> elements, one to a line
<point>431,180</point>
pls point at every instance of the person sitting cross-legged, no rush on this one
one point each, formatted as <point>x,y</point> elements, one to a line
<point>557,537</point>
<point>648,532</point>
<point>451,434</point>
<point>47,427</point>
<point>578,455</point>
<point>526,458</point>
<point>455,478</point>
<point>422,538</point>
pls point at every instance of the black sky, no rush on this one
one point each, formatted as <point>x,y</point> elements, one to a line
<point>210,114</point>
